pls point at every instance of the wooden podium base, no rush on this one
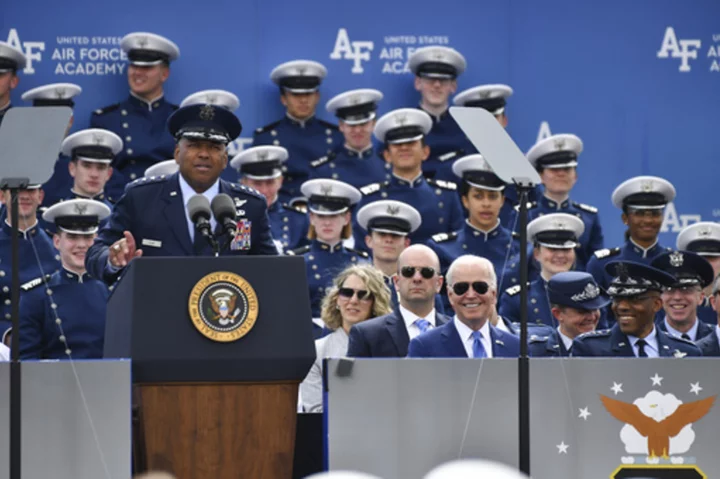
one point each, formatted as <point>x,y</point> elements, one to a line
<point>219,430</point>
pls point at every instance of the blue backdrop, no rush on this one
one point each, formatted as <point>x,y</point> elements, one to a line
<point>638,81</point>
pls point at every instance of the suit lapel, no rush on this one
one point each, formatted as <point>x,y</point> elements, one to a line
<point>620,344</point>
<point>452,342</point>
<point>174,213</point>
<point>665,349</point>
<point>398,332</point>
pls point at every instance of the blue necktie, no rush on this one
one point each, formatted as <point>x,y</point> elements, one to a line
<point>422,324</point>
<point>641,343</point>
<point>478,348</point>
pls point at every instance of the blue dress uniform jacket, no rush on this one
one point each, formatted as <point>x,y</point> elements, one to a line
<point>289,226</point>
<point>550,346</point>
<point>354,168</point>
<point>305,142</point>
<point>613,343</point>
<point>592,238</point>
<point>703,329</point>
<point>30,241</point>
<point>436,200</point>
<point>447,143</point>
<point>60,182</point>
<point>384,336</point>
<point>705,312</point>
<point>538,306</point>
<point>322,263</point>
<point>709,345</point>
<point>146,139</point>
<point>81,305</point>
<point>628,251</point>
<point>152,209</point>
<point>445,342</point>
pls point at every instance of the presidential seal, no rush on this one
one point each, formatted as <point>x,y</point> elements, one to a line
<point>223,306</point>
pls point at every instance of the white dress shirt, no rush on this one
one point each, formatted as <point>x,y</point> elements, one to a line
<point>187,193</point>
<point>4,353</point>
<point>651,347</point>
<point>409,318</point>
<point>466,335</point>
<point>692,332</point>
<point>567,341</point>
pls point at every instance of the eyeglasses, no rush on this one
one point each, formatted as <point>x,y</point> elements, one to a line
<point>409,271</point>
<point>480,287</point>
<point>362,294</point>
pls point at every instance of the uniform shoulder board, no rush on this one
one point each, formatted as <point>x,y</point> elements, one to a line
<point>294,209</point>
<point>107,109</point>
<point>530,205</point>
<point>327,124</point>
<point>598,333</point>
<point>442,237</point>
<point>513,290</point>
<point>448,185</point>
<point>146,181</point>
<point>269,127</point>
<point>358,252</point>
<point>515,235</point>
<point>298,251</point>
<point>450,155</point>
<point>371,188</point>
<point>538,339</point>
<point>584,207</point>
<point>34,283</point>
<point>322,160</point>
<point>248,190</point>
<point>606,253</point>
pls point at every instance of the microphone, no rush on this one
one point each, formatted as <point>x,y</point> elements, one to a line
<point>223,208</point>
<point>198,208</point>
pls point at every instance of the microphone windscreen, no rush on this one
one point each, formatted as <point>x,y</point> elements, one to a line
<point>198,207</point>
<point>223,207</point>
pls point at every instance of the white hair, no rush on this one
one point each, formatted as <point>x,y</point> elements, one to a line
<point>472,260</point>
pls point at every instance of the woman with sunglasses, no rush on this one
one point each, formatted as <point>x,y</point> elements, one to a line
<point>329,204</point>
<point>554,239</point>
<point>358,293</point>
<point>642,200</point>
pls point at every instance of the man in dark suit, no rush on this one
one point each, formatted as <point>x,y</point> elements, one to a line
<point>710,344</point>
<point>417,284</point>
<point>635,290</point>
<point>681,300</point>
<point>151,219</point>
<point>472,291</point>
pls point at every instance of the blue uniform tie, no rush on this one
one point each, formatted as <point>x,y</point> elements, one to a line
<point>641,343</point>
<point>478,348</point>
<point>422,324</point>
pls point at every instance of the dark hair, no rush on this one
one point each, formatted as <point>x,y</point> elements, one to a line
<point>422,142</point>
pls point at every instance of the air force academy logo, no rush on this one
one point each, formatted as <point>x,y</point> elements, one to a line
<point>357,51</point>
<point>684,49</point>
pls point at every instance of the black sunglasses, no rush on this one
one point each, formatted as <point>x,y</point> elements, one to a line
<point>409,271</point>
<point>362,294</point>
<point>480,287</point>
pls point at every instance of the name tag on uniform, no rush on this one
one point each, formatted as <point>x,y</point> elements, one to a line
<point>152,243</point>
<point>241,241</point>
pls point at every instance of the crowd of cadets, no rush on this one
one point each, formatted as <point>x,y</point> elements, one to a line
<point>336,198</point>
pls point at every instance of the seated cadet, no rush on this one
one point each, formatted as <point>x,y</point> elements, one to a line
<point>554,238</point>
<point>642,200</point>
<point>436,69</point>
<point>151,218</point>
<point>417,284</point>
<point>635,291</point>
<point>11,60</point>
<point>223,99</point>
<point>681,300</point>
<point>300,132</point>
<point>402,132</point>
<point>575,302</point>
<point>70,296</point>
<point>472,289</point>
<point>38,256</point>
<point>141,119</point>
<point>704,239</point>
<point>260,167</point>
<point>356,162</point>
<point>710,344</point>
<point>555,159</point>
<point>56,94</point>
<point>330,208</point>
<point>481,192</point>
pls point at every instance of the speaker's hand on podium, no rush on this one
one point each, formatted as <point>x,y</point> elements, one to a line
<point>123,251</point>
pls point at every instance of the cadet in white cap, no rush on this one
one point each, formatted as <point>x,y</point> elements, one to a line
<point>556,159</point>
<point>305,136</point>
<point>260,167</point>
<point>555,238</point>
<point>330,204</point>
<point>436,69</point>
<point>403,134</point>
<point>492,98</point>
<point>65,316</point>
<point>164,168</point>
<point>704,239</point>
<point>140,120</point>
<point>11,60</point>
<point>642,200</point>
<point>356,162</point>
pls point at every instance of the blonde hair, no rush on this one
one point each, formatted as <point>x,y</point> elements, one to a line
<point>374,283</point>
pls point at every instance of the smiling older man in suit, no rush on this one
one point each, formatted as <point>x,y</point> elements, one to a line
<point>472,291</point>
